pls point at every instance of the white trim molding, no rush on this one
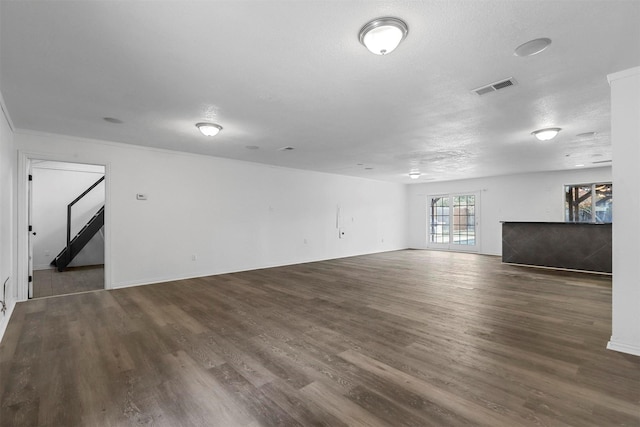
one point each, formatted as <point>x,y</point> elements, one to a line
<point>623,348</point>
<point>5,111</point>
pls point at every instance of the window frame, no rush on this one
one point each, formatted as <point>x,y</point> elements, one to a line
<point>593,185</point>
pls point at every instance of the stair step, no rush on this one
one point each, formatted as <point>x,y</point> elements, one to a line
<point>79,241</point>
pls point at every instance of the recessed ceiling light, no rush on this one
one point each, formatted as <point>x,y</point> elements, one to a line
<point>112,120</point>
<point>545,134</point>
<point>414,175</point>
<point>209,129</point>
<point>532,47</point>
<point>368,168</point>
<point>382,35</point>
<point>579,166</point>
<point>586,135</point>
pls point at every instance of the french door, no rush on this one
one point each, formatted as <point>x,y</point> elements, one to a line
<point>452,221</point>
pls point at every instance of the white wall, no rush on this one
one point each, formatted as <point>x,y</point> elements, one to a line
<point>525,197</point>
<point>625,133</point>
<point>7,220</point>
<point>55,185</point>
<point>231,215</point>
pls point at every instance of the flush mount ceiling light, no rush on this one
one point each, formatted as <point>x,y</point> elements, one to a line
<point>382,35</point>
<point>414,175</point>
<point>209,129</point>
<point>546,134</point>
<point>532,47</point>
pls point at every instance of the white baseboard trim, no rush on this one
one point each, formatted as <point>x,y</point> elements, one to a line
<point>195,275</point>
<point>624,348</point>
<point>5,319</point>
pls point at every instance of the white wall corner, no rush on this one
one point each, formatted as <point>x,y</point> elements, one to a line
<point>623,74</point>
<point>4,321</point>
<point>623,347</point>
<point>625,134</point>
<point>5,112</point>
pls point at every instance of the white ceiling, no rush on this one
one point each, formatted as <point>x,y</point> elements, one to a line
<point>292,73</point>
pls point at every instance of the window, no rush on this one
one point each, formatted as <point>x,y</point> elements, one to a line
<point>588,203</point>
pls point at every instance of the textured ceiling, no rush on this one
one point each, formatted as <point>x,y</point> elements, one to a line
<point>292,73</point>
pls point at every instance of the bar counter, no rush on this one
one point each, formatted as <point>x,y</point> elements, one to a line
<point>566,245</point>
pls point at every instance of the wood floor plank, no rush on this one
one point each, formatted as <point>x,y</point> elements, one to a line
<point>304,411</point>
<point>257,403</point>
<point>210,402</point>
<point>467,408</point>
<point>339,406</point>
<point>405,338</point>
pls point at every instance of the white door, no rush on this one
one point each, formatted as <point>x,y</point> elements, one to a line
<point>452,221</point>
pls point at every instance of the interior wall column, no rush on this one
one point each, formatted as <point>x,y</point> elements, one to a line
<point>625,137</point>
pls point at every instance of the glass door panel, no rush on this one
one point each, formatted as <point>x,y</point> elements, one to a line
<point>439,220</point>
<point>453,222</point>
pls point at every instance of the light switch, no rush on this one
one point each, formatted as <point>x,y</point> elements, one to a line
<point>141,196</point>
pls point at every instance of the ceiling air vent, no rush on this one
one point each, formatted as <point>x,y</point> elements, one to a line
<point>601,161</point>
<point>287,148</point>
<point>483,90</point>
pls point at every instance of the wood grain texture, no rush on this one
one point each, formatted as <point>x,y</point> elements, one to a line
<point>407,338</point>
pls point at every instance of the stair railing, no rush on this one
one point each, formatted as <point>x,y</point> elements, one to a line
<point>77,199</point>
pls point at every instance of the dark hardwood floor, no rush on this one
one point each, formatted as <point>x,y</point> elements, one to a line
<point>408,338</point>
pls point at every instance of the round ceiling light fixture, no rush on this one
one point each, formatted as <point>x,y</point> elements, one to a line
<point>382,35</point>
<point>546,134</point>
<point>209,129</point>
<point>532,47</point>
<point>415,175</point>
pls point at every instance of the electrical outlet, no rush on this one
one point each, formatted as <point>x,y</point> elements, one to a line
<point>194,257</point>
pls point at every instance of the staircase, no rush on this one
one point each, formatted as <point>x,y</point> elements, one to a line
<point>82,238</point>
<point>75,245</point>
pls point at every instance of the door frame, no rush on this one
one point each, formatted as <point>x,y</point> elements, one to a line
<point>24,160</point>
<point>30,231</point>
<point>449,246</point>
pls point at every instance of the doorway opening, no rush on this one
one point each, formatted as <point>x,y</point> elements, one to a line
<point>66,228</point>
<point>453,222</point>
